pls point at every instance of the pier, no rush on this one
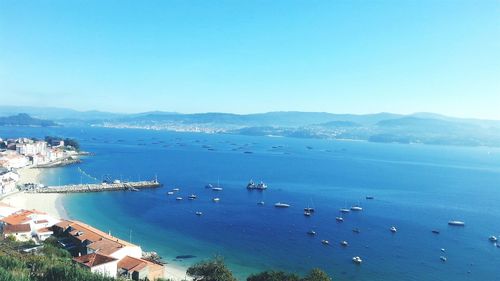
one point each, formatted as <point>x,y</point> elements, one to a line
<point>81,188</point>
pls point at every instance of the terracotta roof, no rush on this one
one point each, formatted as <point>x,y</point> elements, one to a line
<point>105,246</point>
<point>99,241</point>
<point>44,230</point>
<point>134,264</point>
<point>93,259</point>
<point>18,217</point>
<point>16,228</point>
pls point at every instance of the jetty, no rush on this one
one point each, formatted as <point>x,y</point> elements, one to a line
<point>81,188</point>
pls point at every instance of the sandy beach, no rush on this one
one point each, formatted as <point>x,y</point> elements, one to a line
<point>176,273</point>
<point>49,203</point>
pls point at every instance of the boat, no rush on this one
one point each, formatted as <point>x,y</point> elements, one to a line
<point>199,213</point>
<point>344,210</point>
<point>325,242</point>
<point>176,189</point>
<point>339,219</point>
<point>443,250</point>
<point>209,185</point>
<point>251,185</point>
<point>370,197</point>
<point>356,230</point>
<point>311,232</point>
<point>357,260</point>
<point>307,214</point>
<point>260,203</point>
<point>393,229</point>
<point>308,209</point>
<point>178,198</point>
<point>344,243</point>
<point>281,205</point>
<point>192,197</point>
<point>217,188</point>
<point>435,231</point>
<point>493,238</point>
<point>456,223</point>
<point>356,208</point>
<point>216,199</point>
<point>443,258</point>
<point>170,193</point>
<point>260,186</point>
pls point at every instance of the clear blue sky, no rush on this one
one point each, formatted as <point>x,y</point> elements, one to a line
<point>241,56</point>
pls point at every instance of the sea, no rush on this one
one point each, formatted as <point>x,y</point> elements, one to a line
<point>416,188</point>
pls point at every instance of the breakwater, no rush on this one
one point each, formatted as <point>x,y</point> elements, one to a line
<point>81,188</point>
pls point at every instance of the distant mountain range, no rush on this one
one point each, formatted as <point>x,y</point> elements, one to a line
<point>428,128</point>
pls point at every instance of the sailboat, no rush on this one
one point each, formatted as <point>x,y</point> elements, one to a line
<point>217,188</point>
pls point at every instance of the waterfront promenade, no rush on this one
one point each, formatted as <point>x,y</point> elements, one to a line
<point>81,188</point>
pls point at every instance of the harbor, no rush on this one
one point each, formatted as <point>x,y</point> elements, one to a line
<point>83,188</point>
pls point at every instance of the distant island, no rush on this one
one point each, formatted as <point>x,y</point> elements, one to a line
<point>23,119</point>
<point>425,128</point>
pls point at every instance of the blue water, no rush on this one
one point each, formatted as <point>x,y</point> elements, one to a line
<point>417,188</point>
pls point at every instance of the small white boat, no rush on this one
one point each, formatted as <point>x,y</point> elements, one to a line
<point>199,213</point>
<point>344,210</point>
<point>217,188</point>
<point>393,229</point>
<point>456,223</point>
<point>178,198</point>
<point>307,214</point>
<point>311,232</point>
<point>356,208</point>
<point>260,203</point>
<point>192,197</point>
<point>339,219</point>
<point>443,250</point>
<point>344,243</point>
<point>281,205</point>
<point>443,258</point>
<point>209,185</point>
<point>325,242</point>
<point>216,199</point>
<point>357,260</point>
<point>493,238</point>
<point>176,189</point>
<point>170,193</point>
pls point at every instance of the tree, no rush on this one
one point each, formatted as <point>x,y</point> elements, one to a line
<point>317,275</point>
<point>211,270</point>
<point>273,276</point>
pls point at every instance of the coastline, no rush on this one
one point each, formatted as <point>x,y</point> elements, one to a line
<point>50,203</point>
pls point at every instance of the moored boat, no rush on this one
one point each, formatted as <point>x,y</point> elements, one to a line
<point>339,219</point>
<point>311,232</point>
<point>393,229</point>
<point>281,205</point>
<point>456,223</point>
<point>325,242</point>
<point>357,260</point>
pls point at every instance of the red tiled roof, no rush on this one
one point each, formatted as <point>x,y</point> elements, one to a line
<point>18,217</point>
<point>44,230</point>
<point>94,259</point>
<point>16,228</point>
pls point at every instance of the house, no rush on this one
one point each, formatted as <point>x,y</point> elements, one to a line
<point>98,263</point>
<point>139,269</point>
<point>8,180</point>
<point>43,233</point>
<point>86,243</point>
<point>38,222</point>
<point>21,232</point>
<point>91,240</point>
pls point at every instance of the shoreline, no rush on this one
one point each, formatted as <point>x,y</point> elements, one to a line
<point>48,203</point>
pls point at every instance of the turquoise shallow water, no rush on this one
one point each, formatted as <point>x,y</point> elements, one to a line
<point>417,188</point>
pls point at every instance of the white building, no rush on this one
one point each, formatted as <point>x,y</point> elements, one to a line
<point>8,180</point>
<point>32,149</point>
<point>98,263</point>
<point>21,232</point>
